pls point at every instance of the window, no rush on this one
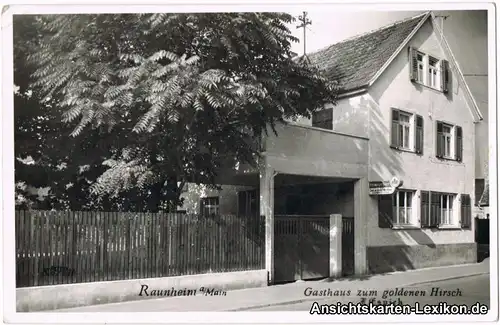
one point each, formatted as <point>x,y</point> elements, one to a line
<point>433,72</point>
<point>404,130</point>
<point>428,70</point>
<point>209,206</point>
<point>323,119</point>
<point>403,134</point>
<point>437,209</point>
<point>401,204</point>
<point>446,216</point>
<point>396,209</point>
<point>449,141</point>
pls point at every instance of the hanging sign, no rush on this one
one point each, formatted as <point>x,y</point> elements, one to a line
<point>384,188</point>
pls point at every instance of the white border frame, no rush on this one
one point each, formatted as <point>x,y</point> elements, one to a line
<point>7,145</point>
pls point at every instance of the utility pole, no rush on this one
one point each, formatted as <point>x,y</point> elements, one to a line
<point>304,22</point>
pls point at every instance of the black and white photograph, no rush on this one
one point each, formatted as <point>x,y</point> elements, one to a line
<point>285,162</point>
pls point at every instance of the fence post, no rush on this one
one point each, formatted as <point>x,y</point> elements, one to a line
<point>37,246</point>
<point>335,245</point>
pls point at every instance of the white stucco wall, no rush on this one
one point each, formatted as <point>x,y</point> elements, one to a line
<point>351,116</point>
<point>418,172</point>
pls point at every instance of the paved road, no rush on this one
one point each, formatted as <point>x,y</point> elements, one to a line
<point>472,289</point>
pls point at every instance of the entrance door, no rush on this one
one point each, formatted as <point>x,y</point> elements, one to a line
<point>302,247</point>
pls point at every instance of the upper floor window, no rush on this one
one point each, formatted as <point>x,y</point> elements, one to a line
<point>404,130</point>
<point>449,141</point>
<point>407,131</point>
<point>428,70</point>
<point>433,72</point>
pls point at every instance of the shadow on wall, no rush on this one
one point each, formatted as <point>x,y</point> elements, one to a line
<point>385,163</point>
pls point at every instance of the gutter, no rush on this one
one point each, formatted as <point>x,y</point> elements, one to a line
<point>353,92</point>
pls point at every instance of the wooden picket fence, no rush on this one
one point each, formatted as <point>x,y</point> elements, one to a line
<point>75,247</point>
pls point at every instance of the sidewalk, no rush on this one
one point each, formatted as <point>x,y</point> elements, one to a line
<point>246,299</point>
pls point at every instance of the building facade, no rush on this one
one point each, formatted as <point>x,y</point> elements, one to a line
<point>395,155</point>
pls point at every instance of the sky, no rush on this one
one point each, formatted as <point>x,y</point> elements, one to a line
<point>329,27</point>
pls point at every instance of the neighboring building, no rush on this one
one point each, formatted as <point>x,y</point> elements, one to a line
<point>405,119</point>
<point>466,33</point>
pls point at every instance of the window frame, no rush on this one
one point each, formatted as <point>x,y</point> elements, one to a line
<point>398,129</point>
<point>455,137</point>
<point>448,144</point>
<point>402,126</point>
<point>388,218</point>
<point>411,126</point>
<point>203,205</point>
<point>396,208</point>
<point>429,65</point>
<point>447,220</point>
<point>322,119</point>
<point>434,217</point>
<point>437,72</point>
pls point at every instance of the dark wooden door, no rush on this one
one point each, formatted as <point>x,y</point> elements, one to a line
<point>302,247</point>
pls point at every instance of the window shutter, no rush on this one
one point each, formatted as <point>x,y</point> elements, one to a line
<point>465,211</point>
<point>458,143</point>
<point>425,217</point>
<point>444,76</point>
<point>385,215</point>
<point>413,64</point>
<point>435,210</point>
<point>439,140</point>
<point>394,129</point>
<point>419,135</point>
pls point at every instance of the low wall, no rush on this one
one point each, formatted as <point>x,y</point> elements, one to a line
<point>85,294</point>
<point>383,259</point>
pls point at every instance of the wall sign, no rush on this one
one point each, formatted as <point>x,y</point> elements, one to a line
<point>384,188</point>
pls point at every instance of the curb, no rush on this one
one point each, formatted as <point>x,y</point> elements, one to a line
<point>298,301</point>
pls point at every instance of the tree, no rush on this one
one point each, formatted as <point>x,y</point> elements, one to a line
<point>178,97</point>
<point>46,158</point>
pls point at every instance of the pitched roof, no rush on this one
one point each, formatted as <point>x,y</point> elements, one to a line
<point>356,61</point>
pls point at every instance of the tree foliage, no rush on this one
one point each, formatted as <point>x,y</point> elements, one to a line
<point>157,100</point>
